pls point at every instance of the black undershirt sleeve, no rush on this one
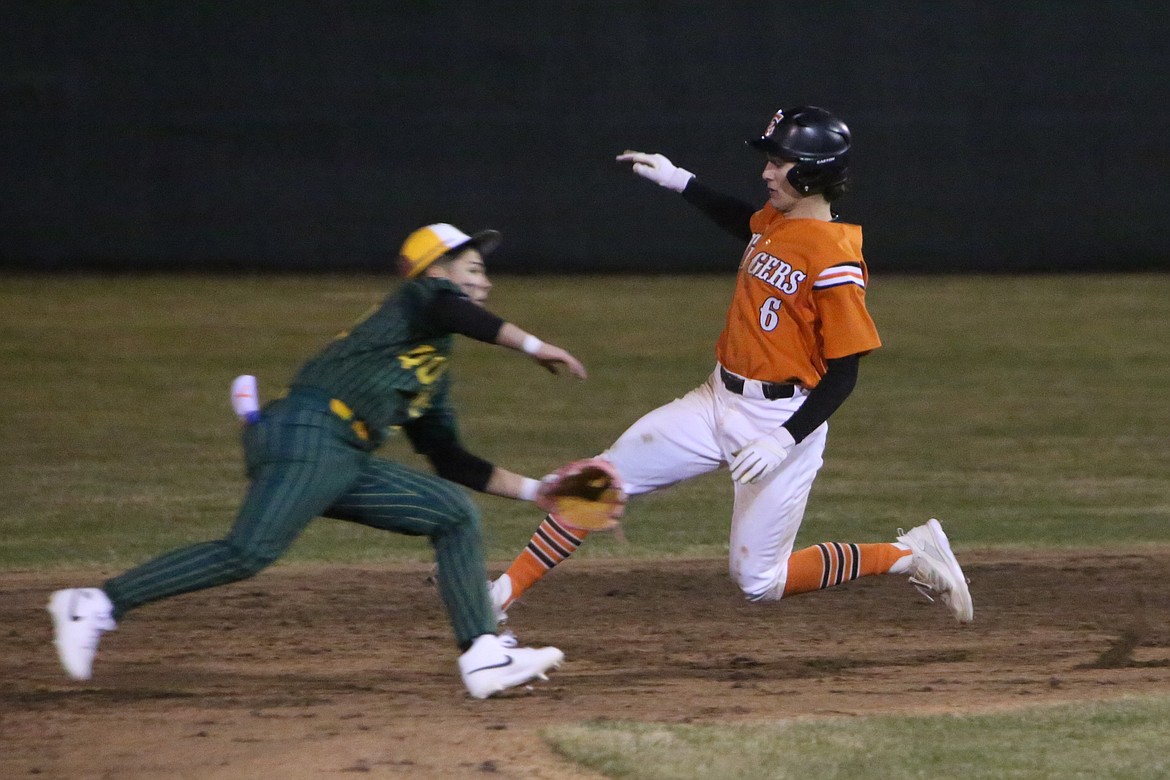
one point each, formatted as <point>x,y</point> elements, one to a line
<point>456,313</point>
<point>452,462</point>
<point>731,214</point>
<point>835,386</point>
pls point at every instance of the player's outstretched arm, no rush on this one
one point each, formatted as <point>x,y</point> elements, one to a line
<point>550,356</point>
<point>658,169</point>
<point>728,212</point>
<point>509,484</point>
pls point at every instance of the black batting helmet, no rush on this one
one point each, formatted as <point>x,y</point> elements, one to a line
<point>815,140</point>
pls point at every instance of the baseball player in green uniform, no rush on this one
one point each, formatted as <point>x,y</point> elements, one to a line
<point>310,454</point>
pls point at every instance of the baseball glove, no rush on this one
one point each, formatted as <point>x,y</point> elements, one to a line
<point>585,494</point>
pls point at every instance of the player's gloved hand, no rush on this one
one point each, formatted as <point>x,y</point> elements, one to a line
<point>657,169</point>
<point>762,456</point>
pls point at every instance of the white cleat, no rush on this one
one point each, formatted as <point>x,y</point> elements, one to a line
<point>80,615</point>
<point>500,591</point>
<point>492,665</point>
<point>934,569</point>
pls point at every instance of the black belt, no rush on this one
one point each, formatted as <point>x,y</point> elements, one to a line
<point>772,390</point>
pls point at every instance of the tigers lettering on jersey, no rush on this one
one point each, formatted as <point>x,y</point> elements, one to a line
<point>776,272</point>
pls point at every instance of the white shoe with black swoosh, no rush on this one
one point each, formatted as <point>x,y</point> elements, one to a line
<point>80,616</point>
<point>492,665</point>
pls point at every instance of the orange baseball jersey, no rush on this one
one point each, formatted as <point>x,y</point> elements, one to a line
<point>799,300</point>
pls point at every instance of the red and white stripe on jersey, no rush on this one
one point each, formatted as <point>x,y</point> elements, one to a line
<point>837,275</point>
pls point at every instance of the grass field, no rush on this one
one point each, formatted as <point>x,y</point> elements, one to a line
<point>1027,412</point>
<point>1121,739</point>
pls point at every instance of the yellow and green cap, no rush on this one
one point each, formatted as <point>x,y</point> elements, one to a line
<point>427,244</point>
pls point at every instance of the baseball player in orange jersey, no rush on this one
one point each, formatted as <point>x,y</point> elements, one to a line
<point>788,357</point>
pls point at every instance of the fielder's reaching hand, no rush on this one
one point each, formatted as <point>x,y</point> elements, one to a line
<point>550,356</point>
<point>554,358</point>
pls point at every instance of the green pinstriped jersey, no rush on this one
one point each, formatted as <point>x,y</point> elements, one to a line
<point>391,367</point>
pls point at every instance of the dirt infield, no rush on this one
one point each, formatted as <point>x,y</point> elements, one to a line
<point>315,672</point>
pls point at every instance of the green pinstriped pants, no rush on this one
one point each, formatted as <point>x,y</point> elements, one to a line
<point>304,462</point>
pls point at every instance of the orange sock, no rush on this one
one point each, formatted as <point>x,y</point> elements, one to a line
<point>831,563</point>
<point>549,545</point>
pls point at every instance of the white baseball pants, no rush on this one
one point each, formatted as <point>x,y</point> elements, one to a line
<point>701,432</point>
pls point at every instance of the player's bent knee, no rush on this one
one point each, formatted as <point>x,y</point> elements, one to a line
<point>773,593</point>
<point>759,591</point>
<point>758,584</point>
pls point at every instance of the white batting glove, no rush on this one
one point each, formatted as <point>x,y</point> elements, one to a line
<point>762,456</point>
<point>657,169</point>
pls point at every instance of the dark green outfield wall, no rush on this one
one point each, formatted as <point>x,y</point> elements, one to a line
<point>298,135</point>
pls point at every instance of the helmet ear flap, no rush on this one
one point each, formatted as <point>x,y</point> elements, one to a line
<point>801,178</point>
<point>809,178</point>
